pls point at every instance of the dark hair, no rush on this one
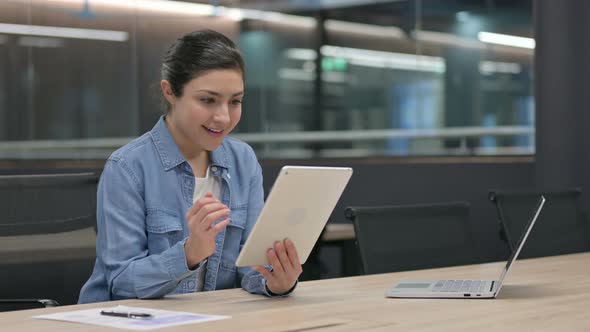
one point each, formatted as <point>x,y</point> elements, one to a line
<point>196,52</point>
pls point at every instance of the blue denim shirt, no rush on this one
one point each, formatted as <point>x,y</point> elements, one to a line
<point>144,193</point>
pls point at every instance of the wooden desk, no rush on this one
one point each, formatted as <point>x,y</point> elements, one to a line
<point>545,294</point>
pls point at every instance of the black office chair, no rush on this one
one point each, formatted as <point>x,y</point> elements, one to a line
<point>410,237</point>
<point>47,238</point>
<point>562,227</point>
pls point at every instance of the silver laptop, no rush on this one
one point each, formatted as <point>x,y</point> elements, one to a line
<point>463,288</point>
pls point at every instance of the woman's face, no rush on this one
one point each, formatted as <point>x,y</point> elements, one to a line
<point>208,110</point>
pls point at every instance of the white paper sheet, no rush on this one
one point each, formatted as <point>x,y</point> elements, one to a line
<point>160,319</point>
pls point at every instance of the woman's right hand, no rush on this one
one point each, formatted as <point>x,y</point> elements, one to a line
<point>202,231</point>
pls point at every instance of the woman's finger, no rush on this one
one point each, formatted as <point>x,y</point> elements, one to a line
<point>293,257</point>
<point>207,199</point>
<point>265,273</point>
<point>217,228</point>
<point>277,267</point>
<point>207,209</point>
<point>283,257</point>
<point>212,217</point>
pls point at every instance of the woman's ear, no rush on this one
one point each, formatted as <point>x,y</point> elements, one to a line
<point>167,92</point>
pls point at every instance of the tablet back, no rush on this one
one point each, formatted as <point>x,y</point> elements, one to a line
<point>298,207</point>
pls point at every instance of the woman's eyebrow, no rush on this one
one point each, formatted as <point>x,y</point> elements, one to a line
<point>219,94</point>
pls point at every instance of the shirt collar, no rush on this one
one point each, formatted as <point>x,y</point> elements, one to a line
<point>170,154</point>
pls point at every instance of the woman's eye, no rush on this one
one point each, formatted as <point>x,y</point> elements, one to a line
<point>208,100</point>
<point>236,102</point>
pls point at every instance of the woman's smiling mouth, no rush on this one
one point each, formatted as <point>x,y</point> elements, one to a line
<point>214,132</point>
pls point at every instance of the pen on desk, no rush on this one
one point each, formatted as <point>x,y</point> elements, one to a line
<point>124,314</point>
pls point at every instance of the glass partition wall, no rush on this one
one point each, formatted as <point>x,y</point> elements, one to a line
<point>79,78</point>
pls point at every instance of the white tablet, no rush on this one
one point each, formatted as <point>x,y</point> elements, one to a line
<point>298,207</point>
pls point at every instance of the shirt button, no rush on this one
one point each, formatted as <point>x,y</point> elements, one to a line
<point>214,168</point>
<point>191,284</point>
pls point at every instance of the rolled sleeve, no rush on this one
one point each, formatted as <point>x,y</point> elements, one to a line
<point>175,259</point>
<point>268,293</point>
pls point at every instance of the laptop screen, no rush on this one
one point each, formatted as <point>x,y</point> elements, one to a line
<point>522,240</point>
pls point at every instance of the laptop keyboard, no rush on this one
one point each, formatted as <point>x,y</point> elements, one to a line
<point>460,286</point>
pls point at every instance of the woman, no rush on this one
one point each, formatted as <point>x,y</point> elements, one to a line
<point>176,205</point>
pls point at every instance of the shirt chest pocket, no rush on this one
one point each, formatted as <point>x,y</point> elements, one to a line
<point>164,229</point>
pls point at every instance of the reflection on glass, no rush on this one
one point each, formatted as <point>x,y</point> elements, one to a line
<point>79,78</point>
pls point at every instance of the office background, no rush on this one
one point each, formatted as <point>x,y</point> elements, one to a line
<point>422,98</point>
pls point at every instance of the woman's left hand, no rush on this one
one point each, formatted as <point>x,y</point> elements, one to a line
<point>285,267</point>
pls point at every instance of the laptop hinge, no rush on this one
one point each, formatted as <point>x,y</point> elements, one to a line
<point>492,286</point>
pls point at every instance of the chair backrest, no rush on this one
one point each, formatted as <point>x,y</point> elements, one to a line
<point>399,238</point>
<point>562,226</point>
<point>47,235</point>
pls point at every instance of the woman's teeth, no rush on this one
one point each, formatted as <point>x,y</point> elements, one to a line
<point>217,131</point>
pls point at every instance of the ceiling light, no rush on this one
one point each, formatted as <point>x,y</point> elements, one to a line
<point>75,33</point>
<point>508,40</point>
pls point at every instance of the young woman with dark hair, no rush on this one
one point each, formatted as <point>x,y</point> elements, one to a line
<point>176,205</point>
